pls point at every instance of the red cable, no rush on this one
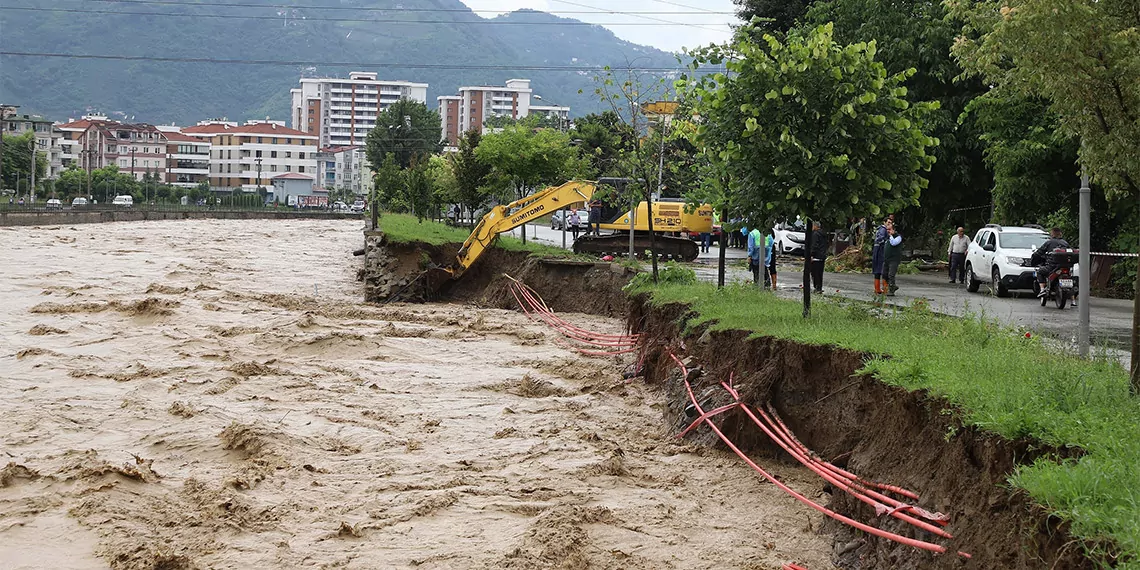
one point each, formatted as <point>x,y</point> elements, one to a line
<point>540,307</point>
<point>832,514</point>
<point>847,474</point>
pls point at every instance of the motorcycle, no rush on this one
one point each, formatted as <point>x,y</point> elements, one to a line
<point>1060,285</point>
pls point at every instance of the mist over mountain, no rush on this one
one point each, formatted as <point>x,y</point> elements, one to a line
<point>459,47</point>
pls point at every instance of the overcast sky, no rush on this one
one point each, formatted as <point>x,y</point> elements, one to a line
<point>693,29</point>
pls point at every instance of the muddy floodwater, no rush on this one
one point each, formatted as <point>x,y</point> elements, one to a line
<point>212,394</point>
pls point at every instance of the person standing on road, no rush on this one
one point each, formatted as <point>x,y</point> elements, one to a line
<point>575,223</point>
<point>877,251</point>
<point>706,241</point>
<point>959,243</point>
<point>892,257</point>
<point>770,255</point>
<point>818,255</point>
<point>756,261</point>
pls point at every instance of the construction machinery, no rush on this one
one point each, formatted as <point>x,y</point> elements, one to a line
<point>670,219</point>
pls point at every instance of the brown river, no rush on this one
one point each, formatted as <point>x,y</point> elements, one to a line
<point>212,394</point>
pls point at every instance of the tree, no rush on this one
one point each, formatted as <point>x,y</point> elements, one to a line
<point>916,33</point>
<point>1083,56</point>
<point>775,16</point>
<point>407,130</point>
<point>444,188</point>
<point>603,139</point>
<point>634,97</point>
<point>18,160</point>
<point>470,173</point>
<point>418,191</point>
<point>814,128</point>
<point>523,159</point>
<point>388,189</point>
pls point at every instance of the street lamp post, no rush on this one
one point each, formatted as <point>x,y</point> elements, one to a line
<point>33,174</point>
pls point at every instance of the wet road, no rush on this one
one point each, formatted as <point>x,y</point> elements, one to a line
<point>1111,319</point>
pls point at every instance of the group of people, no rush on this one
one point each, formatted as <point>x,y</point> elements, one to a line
<point>886,256</point>
<point>762,256</point>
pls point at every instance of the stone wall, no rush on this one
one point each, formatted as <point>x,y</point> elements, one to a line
<point>67,217</point>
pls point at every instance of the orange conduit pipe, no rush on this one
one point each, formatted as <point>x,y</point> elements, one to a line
<point>793,567</point>
<point>880,508</point>
<point>546,314</point>
<point>846,474</point>
<point>855,481</point>
<point>920,544</point>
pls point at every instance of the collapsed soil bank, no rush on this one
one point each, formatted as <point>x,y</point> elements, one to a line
<point>878,431</point>
<point>409,272</point>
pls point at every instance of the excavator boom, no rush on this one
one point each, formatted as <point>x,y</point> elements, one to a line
<point>505,218</point>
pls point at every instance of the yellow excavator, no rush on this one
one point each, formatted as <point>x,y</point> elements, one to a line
<point>672,222</point>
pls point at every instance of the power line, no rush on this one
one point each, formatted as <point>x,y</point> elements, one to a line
<point>703,10</point>
<point>638,16</point>
<point>357,64</point>
<point>315,19</point>
<point>362,9</point>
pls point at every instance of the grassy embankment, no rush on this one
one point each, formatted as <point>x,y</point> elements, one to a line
<point>404,228</point>
<point>998,380</point>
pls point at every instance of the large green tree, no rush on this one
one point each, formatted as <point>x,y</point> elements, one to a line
<point>1083,56</point>
<point>815,128</point>
<point>407,130</point>
<point>773,15</point>
<point>916,34</point>
<point>603,137</point>
<point>523,159</point>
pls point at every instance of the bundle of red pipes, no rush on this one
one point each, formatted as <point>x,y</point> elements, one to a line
<point>793,567</point>
<point>535,307</point>
<point>861,489</point>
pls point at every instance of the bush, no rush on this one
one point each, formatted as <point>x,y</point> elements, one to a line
<point>671,273</point>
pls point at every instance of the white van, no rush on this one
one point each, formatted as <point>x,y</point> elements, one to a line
<point>78,202</point>
<point>125,201</point>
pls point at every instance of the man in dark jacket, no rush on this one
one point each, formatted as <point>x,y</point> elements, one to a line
<point>1040,258</point>
<point>818,255</point>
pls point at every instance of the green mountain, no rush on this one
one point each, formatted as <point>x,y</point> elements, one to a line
<point>458,46</point>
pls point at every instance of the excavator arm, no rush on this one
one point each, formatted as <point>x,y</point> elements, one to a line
<point>505,218</point>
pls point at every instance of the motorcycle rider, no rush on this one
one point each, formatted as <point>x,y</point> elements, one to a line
<point>1040,257</point>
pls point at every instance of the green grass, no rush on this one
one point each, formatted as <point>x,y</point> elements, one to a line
<point>405,228</point>
<point>997,380</point>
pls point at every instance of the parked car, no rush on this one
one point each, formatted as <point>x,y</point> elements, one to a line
<point>358,206</point>
<point>78,202</point>
<point>123,201</point>
<point>557,219</point>
<point>339,206</point>
<point>54,204</point>
<point>789,238</point>
<point>1001,256</point>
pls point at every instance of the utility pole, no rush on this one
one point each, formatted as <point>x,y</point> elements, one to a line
<point>1085,285</point>
<point>258,161</point>
<point>33,174</point>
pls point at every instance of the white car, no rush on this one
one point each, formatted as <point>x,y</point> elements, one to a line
<point>54,204</point>
<point>789,238</point>
<point>358,206</point>
<point>79,202</point>
<point>123,201</point>
<point>1002,257</point>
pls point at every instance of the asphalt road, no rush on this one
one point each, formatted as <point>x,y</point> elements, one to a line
<point>1110,319</point>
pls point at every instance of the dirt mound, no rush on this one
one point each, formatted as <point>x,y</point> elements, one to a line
<point>50,308</point>
<point>250,368</point>
<point>43,330</point>
<point>559,539</point>
<point>13,471</point>
<point>29,352</point>
<point>150,306</point>
<point>879,431</point>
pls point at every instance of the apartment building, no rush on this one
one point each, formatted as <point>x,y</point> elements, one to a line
<point>344,167</point>
<point>187,159</point>
<point>474,105</point>
<point>248,156</point>
<point>341,112</point>
<point>95,142</point>
<point>48,138</point>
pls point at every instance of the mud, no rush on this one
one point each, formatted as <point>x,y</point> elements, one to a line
<point>410,272</point>
<point>249,412</point>
<point>878,431</point>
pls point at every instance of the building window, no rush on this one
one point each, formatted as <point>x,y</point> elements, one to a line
<point>272,154</point>
<point>288,154</point>
<point>272,167</point>
<point>288,168</point>
<point>257,154</point>
<point>258,140</point>
<point>299,168</point>
<point>274,140</point>
<point>300,155</point>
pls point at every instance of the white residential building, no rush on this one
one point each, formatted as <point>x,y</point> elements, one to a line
<point>48,138</point>
<point>95,142</point>
<point>341,112</point>
<point>246,157</point>
<point>344,167</point>
<point>187,159</point>
<point>474,105</point>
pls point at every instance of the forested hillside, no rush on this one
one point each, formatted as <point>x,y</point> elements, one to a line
<point>457,46</point>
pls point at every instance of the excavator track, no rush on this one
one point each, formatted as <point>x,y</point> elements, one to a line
<point>668,247</point>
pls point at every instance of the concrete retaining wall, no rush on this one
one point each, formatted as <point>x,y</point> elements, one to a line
<point>66,217</point>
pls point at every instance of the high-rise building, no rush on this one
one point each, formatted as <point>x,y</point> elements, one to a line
<point>341,112</point>
<point>247,157</point>
<point>344,168</point>
<point>474,105</point>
